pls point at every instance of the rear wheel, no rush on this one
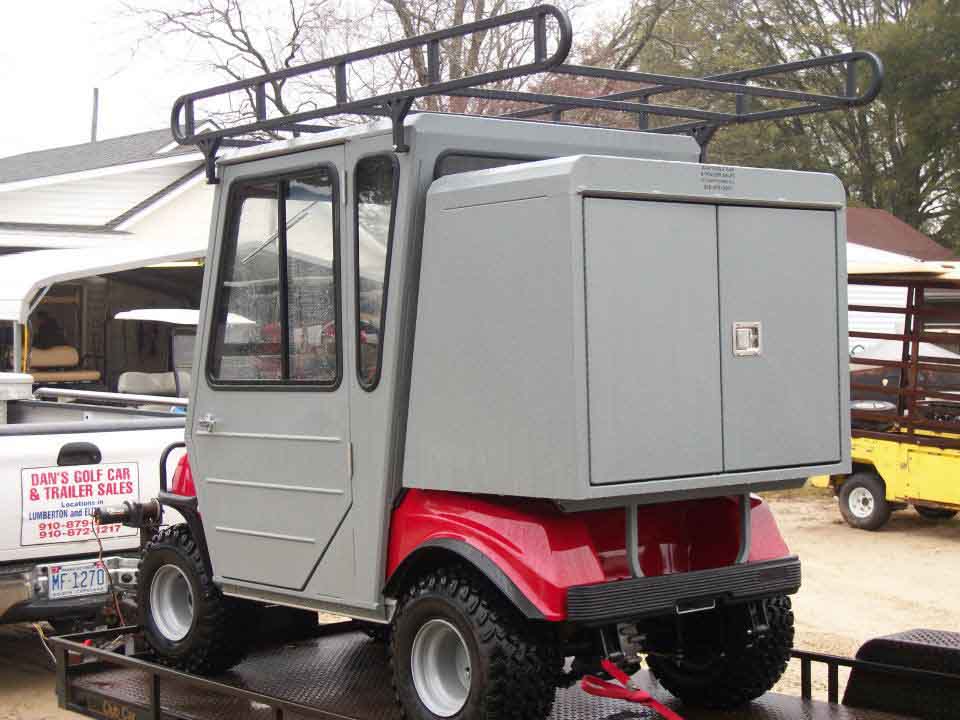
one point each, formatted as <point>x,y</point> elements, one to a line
<point>187,621</point>
<point>932,513</point>
<point>863,501</point>
<point>458,650</point>
<point>728,666</point>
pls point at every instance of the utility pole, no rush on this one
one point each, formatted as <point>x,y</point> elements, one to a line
<point>96,112</point>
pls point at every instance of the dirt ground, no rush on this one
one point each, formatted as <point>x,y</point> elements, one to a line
<point>27,688</point>
<point>856,585</point>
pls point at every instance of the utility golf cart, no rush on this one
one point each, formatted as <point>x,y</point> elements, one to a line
<point>509,385</point>
<point>905,389</point>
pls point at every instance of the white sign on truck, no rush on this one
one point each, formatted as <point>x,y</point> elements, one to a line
<point>57,501</point>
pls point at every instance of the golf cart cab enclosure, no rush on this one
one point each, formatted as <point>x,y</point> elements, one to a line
<point>576,336</point>
<point>509,376</point>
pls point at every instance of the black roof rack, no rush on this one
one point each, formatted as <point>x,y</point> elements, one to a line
<point>549,26</point>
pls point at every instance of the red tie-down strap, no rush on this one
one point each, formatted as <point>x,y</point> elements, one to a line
<point>625,691</point>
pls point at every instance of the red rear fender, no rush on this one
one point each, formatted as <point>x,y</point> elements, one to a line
<point>182,482</point>
<point>534,552</point>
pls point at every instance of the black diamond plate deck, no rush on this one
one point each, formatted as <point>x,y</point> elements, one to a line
<point>346,675</point>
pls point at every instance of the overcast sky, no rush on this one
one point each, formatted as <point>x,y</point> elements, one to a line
<point>54,52</point>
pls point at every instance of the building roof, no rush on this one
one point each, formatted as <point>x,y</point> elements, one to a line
<point>24,274</point>
<point>880,230</point>
<point>89,156</point>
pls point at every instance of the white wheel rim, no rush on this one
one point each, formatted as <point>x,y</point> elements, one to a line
<point>860,502</point>
<point>440,665</point>
<point>171,602</point>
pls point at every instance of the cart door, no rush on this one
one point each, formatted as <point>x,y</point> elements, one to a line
<point>269,420</point>
<point>778,337</point>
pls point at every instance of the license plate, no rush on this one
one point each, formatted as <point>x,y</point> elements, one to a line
<point>77,580</point>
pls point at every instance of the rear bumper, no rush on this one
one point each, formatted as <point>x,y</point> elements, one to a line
<point>627,600</point>
<point>24,592</point>
<point>44,609</point>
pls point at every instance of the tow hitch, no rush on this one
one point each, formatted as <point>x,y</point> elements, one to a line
<point>759,622</point>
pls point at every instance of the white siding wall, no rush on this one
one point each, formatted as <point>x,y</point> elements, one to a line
<point>92,201</point>
<point>875,295</point>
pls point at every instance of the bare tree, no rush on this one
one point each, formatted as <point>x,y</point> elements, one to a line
<point>460,57</point>
<point>241,38</point>
<point>629,35</point>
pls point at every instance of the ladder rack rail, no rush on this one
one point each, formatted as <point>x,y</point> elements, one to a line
<point>183,122</point>
<point>700,122</point>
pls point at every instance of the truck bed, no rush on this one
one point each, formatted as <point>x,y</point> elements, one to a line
<point>341,674</point>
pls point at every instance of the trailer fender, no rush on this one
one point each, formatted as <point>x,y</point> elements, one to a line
<point>534,553</point>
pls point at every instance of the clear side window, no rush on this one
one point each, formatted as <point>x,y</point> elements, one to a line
<point>375,194</point>
<point>276,312</point>
<point>311,250</point>
<point>247,338</point>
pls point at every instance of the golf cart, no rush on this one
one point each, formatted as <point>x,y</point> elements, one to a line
<point>510,385</point>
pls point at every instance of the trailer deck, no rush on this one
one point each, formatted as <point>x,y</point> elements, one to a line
<point>341,674</point>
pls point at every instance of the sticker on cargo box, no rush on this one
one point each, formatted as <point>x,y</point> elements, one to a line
<point>57,501</point>
<point>718,178</point>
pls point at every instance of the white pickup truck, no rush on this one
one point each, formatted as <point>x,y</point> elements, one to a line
<point>58,461</point>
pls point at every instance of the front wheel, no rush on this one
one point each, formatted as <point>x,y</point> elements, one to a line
<point>729,666</point>
<point>187,621</point>
<point>933,513</point>
<point>458,650</point>
<point>863,501</point>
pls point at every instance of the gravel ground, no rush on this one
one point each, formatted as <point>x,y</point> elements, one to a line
<point>857,585</point>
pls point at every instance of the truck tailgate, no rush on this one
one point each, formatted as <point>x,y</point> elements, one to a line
<point>49,483</point>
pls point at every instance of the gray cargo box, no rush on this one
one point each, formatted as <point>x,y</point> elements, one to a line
<point>592,328</point>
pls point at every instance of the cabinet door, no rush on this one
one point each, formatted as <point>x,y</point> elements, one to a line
<point>652,340</point>
<point>778,294</point>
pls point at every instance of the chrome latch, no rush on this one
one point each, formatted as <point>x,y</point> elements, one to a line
<point>746,339</point>
<point>206,422</point>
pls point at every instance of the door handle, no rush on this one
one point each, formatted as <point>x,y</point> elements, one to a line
<point>206,422</point>
<point>747,339</point>
<point>79,453</point>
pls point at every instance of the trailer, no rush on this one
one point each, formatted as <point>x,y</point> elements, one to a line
<point>905,397</point>
<point>343,674</point>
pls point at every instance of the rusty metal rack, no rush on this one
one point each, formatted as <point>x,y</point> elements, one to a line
<point>344,675</point>
<point>552,38</point>
<point>918,393</point>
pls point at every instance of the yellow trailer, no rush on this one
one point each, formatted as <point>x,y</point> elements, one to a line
<point>905,397</point>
